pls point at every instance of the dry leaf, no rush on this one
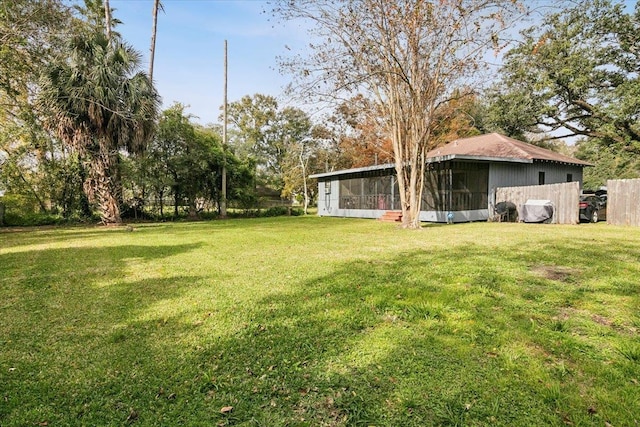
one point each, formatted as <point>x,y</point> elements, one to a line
<point>133,415</point>
<point>226,409</point>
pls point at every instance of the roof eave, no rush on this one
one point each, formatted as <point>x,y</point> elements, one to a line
<point>354,170</point>
<point>447,157</point>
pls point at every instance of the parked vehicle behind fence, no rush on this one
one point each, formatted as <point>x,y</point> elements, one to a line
<point>593,208</point>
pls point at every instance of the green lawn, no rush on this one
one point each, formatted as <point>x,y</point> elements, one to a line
<point>319,321</point>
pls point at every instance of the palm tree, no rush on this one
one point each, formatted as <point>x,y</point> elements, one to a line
<point>97,102</point>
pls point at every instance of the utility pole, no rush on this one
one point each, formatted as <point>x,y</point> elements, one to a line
<point>152,50</point>
<point>223,201</point>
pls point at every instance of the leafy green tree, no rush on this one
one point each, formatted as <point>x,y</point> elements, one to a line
<point>30,35</point>
<point>202,168</point>
<point>35,41</point>
<point>97,102</point>
<point>271,137</point>
<point>35,167</point>
<point>575,74</point>
<point>185,161</point>
<point>252,132</point>
<point>240,174</point>
<point>172,156</point>
<point>241,183</point>
<point>609,163</point>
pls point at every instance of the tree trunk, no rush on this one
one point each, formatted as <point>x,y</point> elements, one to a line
<point>152,49</point>
<point>43,207</point>
<point>304,183</point>
<point>193,210</point>
<point>176,199</point>
<point>107,19</point>
<point>102,187</point>
<point>161,197</point>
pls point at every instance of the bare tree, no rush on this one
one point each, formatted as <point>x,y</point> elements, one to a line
<point>409,55</point>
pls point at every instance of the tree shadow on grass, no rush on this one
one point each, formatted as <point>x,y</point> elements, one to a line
<point>17,237</point>
<point>421,338</point>
<point>66,310</point>
<point>86,265</point>
<point>424,338</point>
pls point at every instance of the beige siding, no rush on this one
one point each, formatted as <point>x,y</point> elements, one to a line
<point>623,204</point>
<point>565,198</point>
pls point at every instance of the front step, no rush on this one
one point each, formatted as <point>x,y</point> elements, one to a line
<point>391,216</point>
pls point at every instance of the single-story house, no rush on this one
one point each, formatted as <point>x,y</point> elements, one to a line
<point>462,178</point>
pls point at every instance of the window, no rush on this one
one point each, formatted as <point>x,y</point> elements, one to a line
<point>569,177</point>
<point>540,178</point>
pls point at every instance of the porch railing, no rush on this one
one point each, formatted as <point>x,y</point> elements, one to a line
<point>371,202</point>
<point>445,201</point>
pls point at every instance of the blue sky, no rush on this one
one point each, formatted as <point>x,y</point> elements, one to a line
<point>189,58</point>
<point>190,49</point>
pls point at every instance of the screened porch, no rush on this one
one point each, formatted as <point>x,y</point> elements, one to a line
<point>449,186</point>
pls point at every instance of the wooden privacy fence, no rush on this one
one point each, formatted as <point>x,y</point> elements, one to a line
<point>623,202</point>
<point>565,198</point>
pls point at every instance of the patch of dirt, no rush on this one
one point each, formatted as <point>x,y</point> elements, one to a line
<point>566,313</point>
<point>554,272</point>
<point>601,320</point>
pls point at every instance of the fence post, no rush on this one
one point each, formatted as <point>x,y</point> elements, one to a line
<point>622,202</point>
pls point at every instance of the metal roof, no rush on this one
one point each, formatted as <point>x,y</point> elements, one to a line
<point>354,170</point>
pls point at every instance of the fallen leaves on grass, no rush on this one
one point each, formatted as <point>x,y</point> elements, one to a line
<point>133,415</point>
